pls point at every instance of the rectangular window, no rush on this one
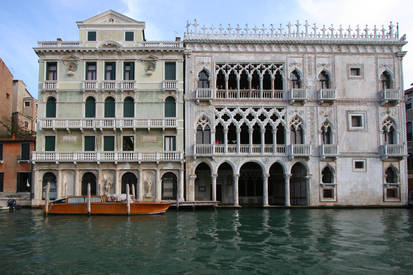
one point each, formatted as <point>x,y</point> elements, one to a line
<point>24,182</point>
<point>51,71</point>
<point>355,72</point>
<point>392,193</point>
<point>89,143</point>
<point>328,193</point>
<point>128,36</point>
<point>91,36</point>
<point>170,143</point>
<point>27,104</point>
<point>128,143</point>
<point>409,104</point>
<point>108,143</point>
<point>1,181</point>
<point>1,152</point>
<point>356,121</point>
<point>90,70</point>
<point>129,71</point>
<point>359,165</point>
<point>110,70</point>
<point>25,151</point>
<point>170,71</point>
<point>49,143</point>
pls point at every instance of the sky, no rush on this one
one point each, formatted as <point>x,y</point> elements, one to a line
<point>23,23</point>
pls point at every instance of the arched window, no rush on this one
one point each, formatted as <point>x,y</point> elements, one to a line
<point>391,175</point>
<point>170,108</point>
<point>109,107</point>
<point>219,134</point>
<point>327,175</point>
<point>385,79</point>
<point>278,81</point>
<point>324,79</point>
<point>244,83</point>
<point>221,80</point>
<point>266,81</point>
<point>295,80</point>
<point>326,133</point>
<point>232,81</point>
<point>51,107</point>
<point>90,107</point>
<point>49,178</point>
<point>89,178</point>
<point>409,131</point>
<point>296,131</point>
<point>280,134</point>
<point>255,82</point>
<point>203,79</point>
<point>203,131</point>
<point>128,107</point>
<point>389,132</point>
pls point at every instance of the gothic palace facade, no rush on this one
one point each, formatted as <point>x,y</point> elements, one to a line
<point>294,115</point>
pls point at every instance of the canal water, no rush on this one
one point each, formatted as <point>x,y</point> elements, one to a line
<point>222,241</point>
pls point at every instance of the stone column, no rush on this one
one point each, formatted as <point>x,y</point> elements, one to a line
<point>118,183</point>
<point>274,140</point>
<point>158,185</point>
<point>287,189</point>
<point>235,179</point>
<point>262,140</point>
<point>181,184</point>
<point>238,139</point>
<point>272,86</point>
<point>214,186</point>
<point>225,140</point>
<point>191,191</point>
<point>265,190</point>
<point>261,86</point>
<point>250,131</point>
<point>59,184</point>
<point>99,183</point>
<point>212,141</point>
<point>77,183</point>
<point>308,183</point>
<point>140,184</point>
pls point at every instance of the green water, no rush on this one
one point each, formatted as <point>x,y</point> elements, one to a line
<point>223,241</point>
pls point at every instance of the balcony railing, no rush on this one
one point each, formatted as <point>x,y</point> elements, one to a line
<point>219,149</point>
<point>235,94</point>
<point>326,95</point>
<point>49,85</point>
<point>390,96</point>
<point>106,156</point>
<point>146,44</point>
<point>109,85</point>
<point>392,151</point>
<point>328,151</point>
<point>203,94</point>
<point>169,85</point>
<point>299,150</point>
<point>297,95</point>
<point>112,123</point>
<point>127,85</point>
<point>90,85</point>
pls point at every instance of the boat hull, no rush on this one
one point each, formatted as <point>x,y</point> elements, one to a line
<point>109,208</point>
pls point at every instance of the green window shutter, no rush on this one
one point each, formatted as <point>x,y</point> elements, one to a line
<point>90,107</point>
<point>170,71</point>
<point>170,109</point>
<point>129,71</point>
<point>128,36</point>
<point>128,107</point>
<point>51,107</point>
<point>110,107</point>
<point>1,181</point>
<point>89,143</point>
<point>91,36</point>
<point>1,151</point>
<point>109,143</point>
<point>173,143</point>
<point>25,151</point>
<point>113,71</point>
<point>49,143</point>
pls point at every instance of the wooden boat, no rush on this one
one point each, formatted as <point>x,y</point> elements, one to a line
<point>102,205</point>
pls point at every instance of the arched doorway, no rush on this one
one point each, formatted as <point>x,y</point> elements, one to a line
<point>131,180</point>
<point>250,184</point>
<point>169,186</point>
<point>225,186</point>
<point>86,179</point>
<point>49,178</point>
<point>203,183</point>
<point>298,185</point>
<point>276,185</point>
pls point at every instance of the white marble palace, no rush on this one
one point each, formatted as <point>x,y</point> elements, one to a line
<point>295,115</point>
<point>288,115</point>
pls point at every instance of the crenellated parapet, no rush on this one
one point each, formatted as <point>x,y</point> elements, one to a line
<point>290,31</point>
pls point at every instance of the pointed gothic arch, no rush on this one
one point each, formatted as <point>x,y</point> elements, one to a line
<point>297,130</point>
<point>389,131</point>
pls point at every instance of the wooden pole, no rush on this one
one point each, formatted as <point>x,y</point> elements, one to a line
<point>88,199</point>
<point>127,199</point>
<point>46,206</point>
<point>133,192</point>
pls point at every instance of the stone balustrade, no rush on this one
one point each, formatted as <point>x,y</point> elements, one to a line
<point>392,151</point>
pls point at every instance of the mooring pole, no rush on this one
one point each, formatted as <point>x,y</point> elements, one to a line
<point>46,206</point>
<point>88,199</point>
<point>127,199</point>
<point>133,192</point>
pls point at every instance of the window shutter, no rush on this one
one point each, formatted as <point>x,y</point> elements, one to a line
<point>109,107</point>
<point>113,71</point>
<point>109,143</point>
<point>1,181</point>
<point>90,107</point>
<point>132,71</point>
<point>1,151</point>
<point>51,107</point>
<point>170,71</point>
<point>170,107</point>
<point>25,154</point>
<point>89,143</point>
<point>128,107</point>
<point>49,143</point>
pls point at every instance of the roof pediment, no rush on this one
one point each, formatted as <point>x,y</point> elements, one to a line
<point>110,17</point>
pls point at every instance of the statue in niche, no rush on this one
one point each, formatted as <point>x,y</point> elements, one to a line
<point>108,182</point>
<point>148,186</point>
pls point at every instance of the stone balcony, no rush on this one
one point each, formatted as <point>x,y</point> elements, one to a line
<point>109,85</point>
<point>125,156</point>
<point>297,96</point>
<point>90,85</point>
<point>127,85</point>
<point>392,151</point>
<point>106,123</point>
<point>328,151</point>
<point>299,151</point>
<point>389,97</point>
<point>250,94</point>
<point>50,85</point>
<point>326,96</point>
<point>209,150</point>
<point>203,94</point>
<point>169,85</point>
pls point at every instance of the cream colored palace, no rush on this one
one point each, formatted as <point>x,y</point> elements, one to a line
<point>287,115</point>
